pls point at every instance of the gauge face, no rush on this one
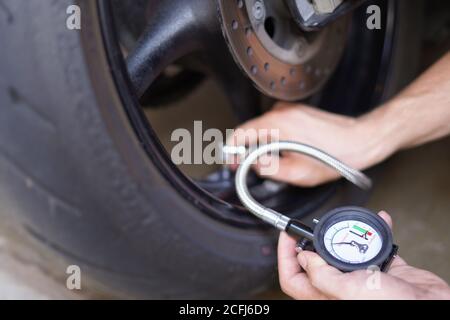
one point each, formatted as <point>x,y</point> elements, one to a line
<point>352,241</point>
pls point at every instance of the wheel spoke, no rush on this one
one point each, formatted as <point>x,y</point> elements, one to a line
<point>174,30</point>
<point>244,98</point>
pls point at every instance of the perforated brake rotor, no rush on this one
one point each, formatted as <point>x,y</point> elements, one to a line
<point>282,61</point>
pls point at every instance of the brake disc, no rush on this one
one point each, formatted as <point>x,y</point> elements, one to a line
<point>283,61</point>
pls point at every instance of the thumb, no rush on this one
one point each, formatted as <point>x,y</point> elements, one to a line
<point>353,285</point>
<point>322,276</point>
<point>310,261</point>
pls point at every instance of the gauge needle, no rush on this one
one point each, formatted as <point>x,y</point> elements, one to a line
<point>361,247</point>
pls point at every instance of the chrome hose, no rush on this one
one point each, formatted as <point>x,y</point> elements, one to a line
<point>273,217</point>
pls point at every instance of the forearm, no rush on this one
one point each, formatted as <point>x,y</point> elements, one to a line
<point>419,114</point>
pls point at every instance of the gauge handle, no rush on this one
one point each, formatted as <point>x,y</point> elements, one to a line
<point>299,229</point>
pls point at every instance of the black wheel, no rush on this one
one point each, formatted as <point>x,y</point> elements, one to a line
<point>84,168</point>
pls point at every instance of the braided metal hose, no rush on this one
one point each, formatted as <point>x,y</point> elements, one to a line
<point>273,217</point>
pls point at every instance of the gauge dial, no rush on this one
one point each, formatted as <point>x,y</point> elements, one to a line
<point>352,241</point>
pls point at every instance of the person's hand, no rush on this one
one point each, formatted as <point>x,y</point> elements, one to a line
<point>356,142</point>
<point>307,276</point>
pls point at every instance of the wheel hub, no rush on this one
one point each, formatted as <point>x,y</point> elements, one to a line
<point>281,60</point>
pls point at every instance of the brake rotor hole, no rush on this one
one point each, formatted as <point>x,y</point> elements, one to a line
<point>269,25</point>
<point>302,85</point>
<point>308,69</point>
<point>272,85</point>
<point>318,72</point>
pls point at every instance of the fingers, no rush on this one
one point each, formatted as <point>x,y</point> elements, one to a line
<point>252,132</point>
<point>322,281</point>
<point>268,126</point>
<point>293,281</point>
<point>336,284</point>
<point>386,217</point>
<point>280,106</point>
<point>322,276</point>
<point>287,262</point>
<point>397,262</point>
<point>291,168</point>
<point>362,284</point>
<point>296,170</point>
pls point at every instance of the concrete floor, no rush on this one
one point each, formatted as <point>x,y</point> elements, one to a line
<point>24,268</point>
<point>414,187</point>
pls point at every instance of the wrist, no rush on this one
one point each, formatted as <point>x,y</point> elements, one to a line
<point>379,132</point>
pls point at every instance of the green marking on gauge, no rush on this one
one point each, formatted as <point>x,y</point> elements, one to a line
<point>361,232</point>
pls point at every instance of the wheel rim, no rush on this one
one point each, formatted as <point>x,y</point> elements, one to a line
<point>307,200</point>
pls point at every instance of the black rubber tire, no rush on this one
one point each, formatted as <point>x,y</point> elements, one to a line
<point>72,167</point>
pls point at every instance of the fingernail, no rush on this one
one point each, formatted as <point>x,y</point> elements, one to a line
<point>298,249</point>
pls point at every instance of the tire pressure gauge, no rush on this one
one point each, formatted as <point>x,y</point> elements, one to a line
<point>348,238</point>
<point>353,238</point>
